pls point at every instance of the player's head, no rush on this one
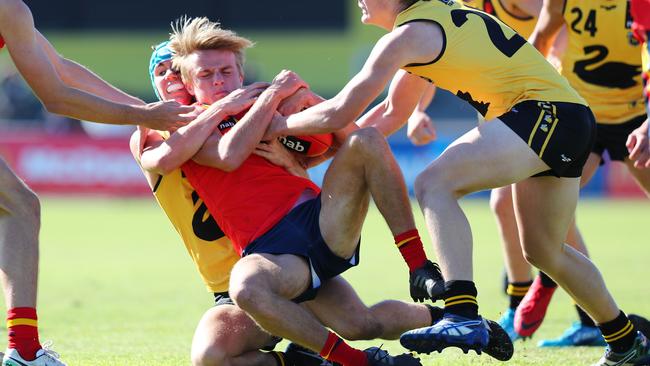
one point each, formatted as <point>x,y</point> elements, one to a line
<point>382,12</point>
<point>211,59</point>
<point>166,80</point>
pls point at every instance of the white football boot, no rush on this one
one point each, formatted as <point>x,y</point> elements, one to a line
<point>44,357</point>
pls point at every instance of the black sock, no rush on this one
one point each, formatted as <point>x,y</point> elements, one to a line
<point>460,298</point>
<point>619,333</point>
<point>516,291</point>
<point>436,313</point>
<point>546,280</point>
<point>585,319</point>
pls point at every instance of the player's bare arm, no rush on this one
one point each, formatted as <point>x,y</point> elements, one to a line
<point>17,29</point>
<point>416,42</point>
<point>548,26</point>
<point>404,94</point>
<point>229,152</point>
<point>421,130</point>
<point>77,76</point>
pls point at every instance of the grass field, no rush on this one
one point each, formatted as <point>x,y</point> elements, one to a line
<point>117,288</point>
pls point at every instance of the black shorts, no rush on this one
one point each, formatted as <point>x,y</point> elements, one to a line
<point>612,138</point>
<point>222,298</point>
<point>560,133</point>
<point>298,233</point>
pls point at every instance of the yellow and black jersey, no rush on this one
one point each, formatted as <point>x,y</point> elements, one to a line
<point>522,25</point>
<point>485,62</point>
<point>211,251</point>
<point>602,60</point>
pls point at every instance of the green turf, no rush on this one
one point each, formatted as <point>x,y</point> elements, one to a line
<point>117,287</point>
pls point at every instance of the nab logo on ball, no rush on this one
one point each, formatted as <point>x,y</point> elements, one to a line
<point>295,144</point>
<point>310,146</point>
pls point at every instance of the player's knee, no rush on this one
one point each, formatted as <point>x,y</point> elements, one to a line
<point>24,205</point>
<point>366,140</point>
<point>429,182</point>
<point>247,294</point>
<point>501,203</point>
<point>541,257</point>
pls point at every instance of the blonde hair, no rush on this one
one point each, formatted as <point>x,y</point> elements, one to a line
<point>194,34</point>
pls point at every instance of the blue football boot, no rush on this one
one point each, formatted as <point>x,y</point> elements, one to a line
<point>507,322</point>
<point>577,335</point>
<point>451,331</point>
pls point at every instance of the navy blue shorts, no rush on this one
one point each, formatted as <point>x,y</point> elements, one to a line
<point>298,233</point>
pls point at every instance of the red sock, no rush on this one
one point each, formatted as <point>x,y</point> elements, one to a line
<point>336,350</point>
<point>410,245</point>
<point>22,329</point>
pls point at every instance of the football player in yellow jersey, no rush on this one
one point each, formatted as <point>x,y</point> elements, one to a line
<point>603,63</point>
<point>215,342</point>
<point>538,134</point>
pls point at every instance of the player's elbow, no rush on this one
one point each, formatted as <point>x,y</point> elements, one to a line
<point>228,164</point>
<point>166,164</point>
<point>56,105</point>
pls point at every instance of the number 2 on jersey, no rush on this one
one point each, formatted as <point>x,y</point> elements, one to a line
<point>506,46</point>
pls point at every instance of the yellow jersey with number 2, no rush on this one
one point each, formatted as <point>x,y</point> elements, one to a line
<point>485,62</point>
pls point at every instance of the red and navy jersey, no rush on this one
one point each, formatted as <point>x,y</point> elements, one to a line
<point>2,42</point>
<point>250,200</point>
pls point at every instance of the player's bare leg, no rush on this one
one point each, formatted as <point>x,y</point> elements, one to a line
<point>438,189</point>
<point>339,307</point>
<point>263,284</point>
<point>446,179</point>
<point>19,229</point>
<point>517,269</point>
<point>545,207</point>
<point>227,336</point>
<point>364,166</point>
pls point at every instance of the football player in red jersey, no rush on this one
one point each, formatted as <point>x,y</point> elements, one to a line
<point>253,201</point>
<point>67,88</point>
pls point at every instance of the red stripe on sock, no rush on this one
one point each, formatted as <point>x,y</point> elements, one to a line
<point>413,250</point>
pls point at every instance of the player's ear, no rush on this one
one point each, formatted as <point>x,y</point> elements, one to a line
<point>189,86</point>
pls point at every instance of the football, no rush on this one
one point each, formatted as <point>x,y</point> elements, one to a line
<point>310,146</point>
